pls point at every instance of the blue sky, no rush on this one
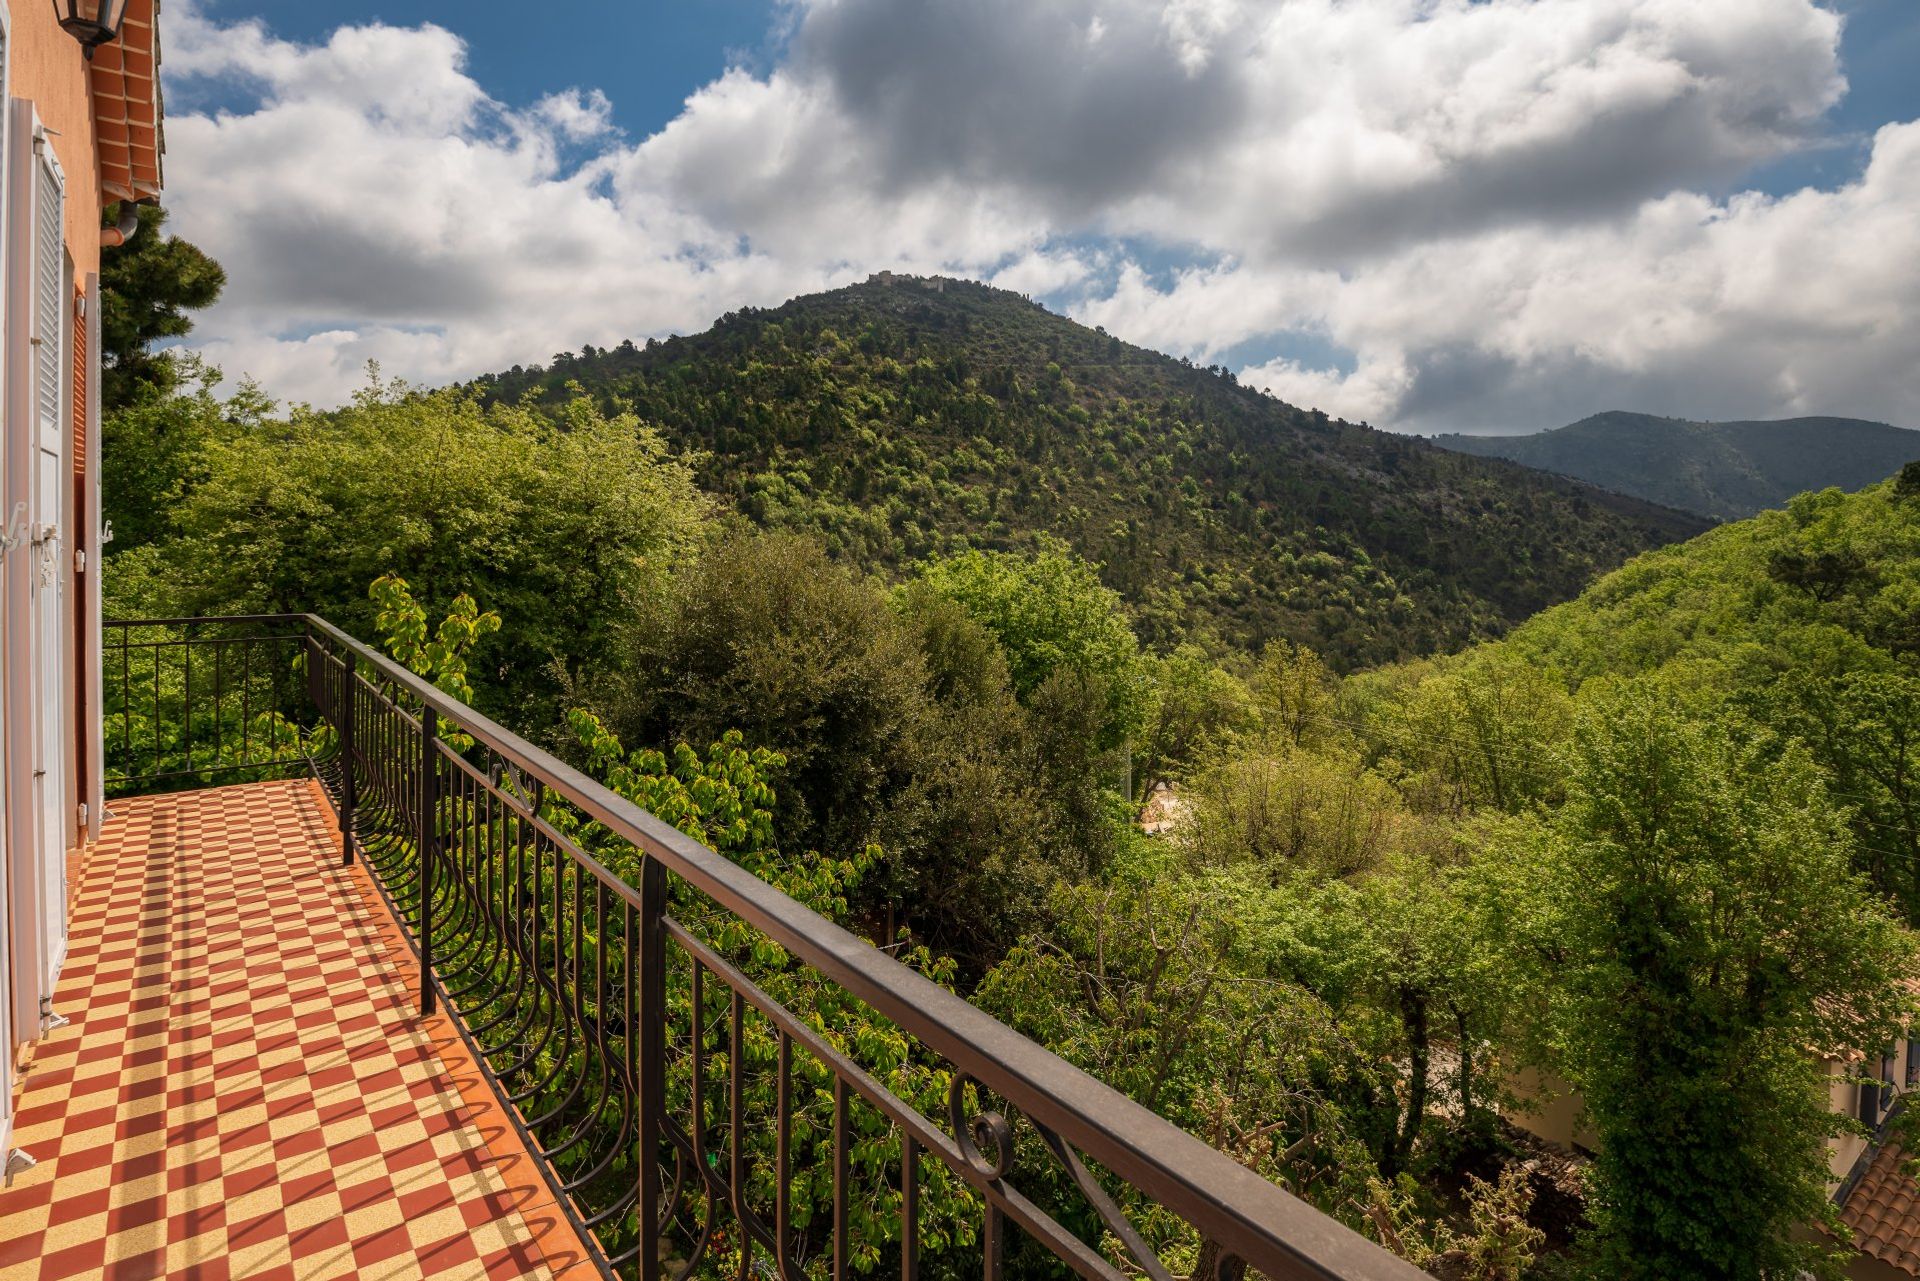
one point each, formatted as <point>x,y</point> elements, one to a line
<point>649,55</point>
<point>1430,214</point>
<point>646,55</point>
<point>1880,53</point>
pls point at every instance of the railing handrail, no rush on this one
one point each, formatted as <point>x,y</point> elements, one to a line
<point>1268,1228</point>
<point>207,618</point>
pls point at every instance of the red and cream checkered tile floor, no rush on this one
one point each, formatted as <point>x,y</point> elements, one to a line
<point>246,1089</point>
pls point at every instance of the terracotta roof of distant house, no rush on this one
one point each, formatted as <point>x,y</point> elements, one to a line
<point>1883,1210</point>
<point>1833,1007</point>
<point>125,75</point>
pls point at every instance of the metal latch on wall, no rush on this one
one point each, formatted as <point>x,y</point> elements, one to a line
<point>47,539</point>
<point>15,534</point>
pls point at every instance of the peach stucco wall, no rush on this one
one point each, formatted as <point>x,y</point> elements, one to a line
<point>49,68</point>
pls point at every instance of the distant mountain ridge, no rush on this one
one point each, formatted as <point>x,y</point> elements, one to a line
<point>905,417</point>
<point>1724,471</point>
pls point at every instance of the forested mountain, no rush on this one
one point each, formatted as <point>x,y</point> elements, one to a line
<point>906,417</point>
<point>1656,841</point>
<point>1725,471</point>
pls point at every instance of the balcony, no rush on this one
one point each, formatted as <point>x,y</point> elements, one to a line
<point>245,1088</point>
<point>457,1042</point>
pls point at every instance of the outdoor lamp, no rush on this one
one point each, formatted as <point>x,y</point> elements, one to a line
<point>91,22</point>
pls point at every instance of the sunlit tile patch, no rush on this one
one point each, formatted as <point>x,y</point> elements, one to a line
<point>246,1089</point>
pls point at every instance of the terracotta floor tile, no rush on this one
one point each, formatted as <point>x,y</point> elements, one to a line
<point>245,1088</point>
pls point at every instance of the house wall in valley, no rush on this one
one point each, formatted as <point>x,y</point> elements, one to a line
<point>1843,1097</point>
<point>1549,1108</point>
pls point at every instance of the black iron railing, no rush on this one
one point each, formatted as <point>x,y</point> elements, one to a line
<point>192,701</point>
<point>691,1123</point>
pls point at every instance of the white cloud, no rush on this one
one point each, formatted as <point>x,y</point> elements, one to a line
<point>577,116</point>
<point>1754,307</point>
<point>1490,204</point>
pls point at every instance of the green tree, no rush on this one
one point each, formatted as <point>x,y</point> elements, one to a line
<point>1696,932</point>
<point>565,525</point>
<point>1193,704</point>
<point>1296,693</point>
<point>765,635</point>
<point>147,287</point>
<point>1051,613</point>
<point>444,655</point>
<point>153,453</point>
<point>1479,732</point>
<point>1292,811</point>
<point>1154,984</point>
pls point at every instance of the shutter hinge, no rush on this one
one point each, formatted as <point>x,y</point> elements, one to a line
<point>83,817</point>
<point>80,560</point>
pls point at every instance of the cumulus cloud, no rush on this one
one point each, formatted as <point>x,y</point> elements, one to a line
<point>1750,307</point>
<point>1495,206</point>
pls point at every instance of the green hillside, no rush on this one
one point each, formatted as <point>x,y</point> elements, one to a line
<point>1725,471</point>
<point>902,418</point>
<point>1807,621</point>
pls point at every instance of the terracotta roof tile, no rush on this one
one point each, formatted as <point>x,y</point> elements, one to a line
<point>1883,1210</point>
<point>127,107</point>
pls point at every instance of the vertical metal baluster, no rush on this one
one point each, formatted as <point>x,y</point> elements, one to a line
<point>157,742</point>
<point>737,1126</point>
<point>246,701</point>
<point>909,1207</point>
<point>526,917</point>
<point>842,1127</point>
<point>579,946</point>
<point>557,924</point>
<point>126,695</point>
<point>629,1008</point>
<point>600,966</point>
<point>481,818</point>
<point>429,729</point>
<point>186,717</point>
<point>782,1154</point>
<point>349,792</point>
<point>697,1122</point>
<point>217,648</point>
<point>279,701</point>
<point>993,1243</point>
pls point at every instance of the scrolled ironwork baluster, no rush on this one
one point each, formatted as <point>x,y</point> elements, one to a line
<point>976,1133</point>
<point>985,1140</point>
<point>1111,1215</point>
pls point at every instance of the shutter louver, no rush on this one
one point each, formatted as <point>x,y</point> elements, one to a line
<point>6,34</point>
<point>47,292</point>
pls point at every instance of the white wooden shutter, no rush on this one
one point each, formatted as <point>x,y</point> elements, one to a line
<point>11,1033</point>
<point>49,311</point>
